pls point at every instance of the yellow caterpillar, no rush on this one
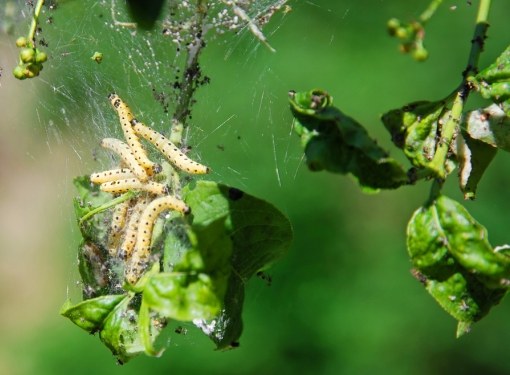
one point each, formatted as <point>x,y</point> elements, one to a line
<point>167,148</point>
<point>111,175</point>
<point>149,216</point>
<point>119,217</point>
<point>126,248</point>
<point>123,186</point>
<point>126,116</point>
<point>125,153</point>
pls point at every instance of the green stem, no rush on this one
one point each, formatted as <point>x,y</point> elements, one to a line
<point>429,12</point>
<point>451,125</point>
<point>35,19</point>
<point>124,197</point>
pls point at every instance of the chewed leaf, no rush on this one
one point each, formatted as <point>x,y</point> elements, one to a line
<point>494,81</point>
<point>474,157</point>
<point>337,143</point>
<point>91,314</point>
<point>490,125</point>
<point>454,260</point>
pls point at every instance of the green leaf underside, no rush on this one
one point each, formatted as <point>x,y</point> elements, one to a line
<point>490,125</point>
<point>474,158</point>
<point>337,143</point>
<point>453,258</point>
<point>206,260</point>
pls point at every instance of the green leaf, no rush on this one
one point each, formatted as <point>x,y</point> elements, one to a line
<point>494,81</point>
<point>91,314</point>
<point>206,259</point>
<point>337,143</point>
<point>121,330</point>
<point>413,128</point>
<point>454,260</point>
<point>260,235</point>
<point>182,296</point>
<point>490,125</point>
<point>474,158</point>
<point>469,245</point>
<point>90,197</point>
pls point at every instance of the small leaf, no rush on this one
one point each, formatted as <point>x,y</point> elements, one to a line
<point>121,331</point>
<point>337,143</point>
<point>413,128</point>
<point>494,81</point>
<point>91,314</point>
<point>474,157</point>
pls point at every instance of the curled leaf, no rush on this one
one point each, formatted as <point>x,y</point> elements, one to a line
<point>337,143</point>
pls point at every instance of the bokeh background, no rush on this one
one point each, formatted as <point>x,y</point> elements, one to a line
<point>342,301</point>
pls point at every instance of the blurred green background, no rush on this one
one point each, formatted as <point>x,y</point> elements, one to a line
<point>342,301</point>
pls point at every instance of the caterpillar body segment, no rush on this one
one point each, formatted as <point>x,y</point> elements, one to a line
<point>167,148</point>
<point>117,225</point>
<point>125,117</point>
<point>127,156</point>
<point>128,244</point>
<point>149,216</point>
<point>111,175</point>
<point>125,185</point>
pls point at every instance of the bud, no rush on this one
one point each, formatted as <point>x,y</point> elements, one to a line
<point>27,55</point>
<point>21,41</point>
<point>40,57</point>
<point>19,72</point>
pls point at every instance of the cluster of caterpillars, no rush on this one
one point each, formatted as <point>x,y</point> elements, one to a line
<point>133,220</point>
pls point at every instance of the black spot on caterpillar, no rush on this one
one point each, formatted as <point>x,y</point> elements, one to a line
<point>149,216</point>
<point>167,148</point>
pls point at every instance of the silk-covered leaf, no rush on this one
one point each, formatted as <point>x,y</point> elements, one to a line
<point>337,143</point>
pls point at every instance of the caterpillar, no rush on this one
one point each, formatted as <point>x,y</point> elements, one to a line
<point>119,217</point>
<point>167,148</point>
<point>123,150</point>
<point>111,175</point>
<point>149,216</point>
<point>122,186</point>
<point>126,248</point>
<point>125,117</point>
